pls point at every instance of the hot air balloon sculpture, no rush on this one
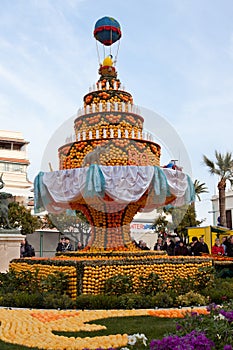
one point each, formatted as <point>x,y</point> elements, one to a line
<point>107,31</point>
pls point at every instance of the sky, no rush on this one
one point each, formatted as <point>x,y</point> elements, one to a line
<point>175,58</point>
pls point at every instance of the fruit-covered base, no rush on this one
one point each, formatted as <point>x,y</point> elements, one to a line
<point>110,221</point>
<point>88,272</point>
<point>110,224</point>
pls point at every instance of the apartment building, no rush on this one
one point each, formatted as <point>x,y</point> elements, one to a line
<point>14,163</point>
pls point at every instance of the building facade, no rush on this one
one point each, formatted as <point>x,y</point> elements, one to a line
<point>14,163</point>
<point>229,208</point>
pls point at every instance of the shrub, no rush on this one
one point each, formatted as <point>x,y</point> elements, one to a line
<point>56,282</point>
<point>124,301</point>
<point>221,291</point>
<point>191,298</point>
<point>21,281</point>
<point>27,281</point>
<point>37,300</point>
<point>22,299</point>
<point>223,272</point>
<point>182,285</point>
<point>162,299</point>
<point>205,278</point>
<point>150,284</point>
<point>54,301</point>
<point>84,301</point>
<point>97,302</point>
<point>139,301</point>
<point>26,289</point>
<point>118,285</point>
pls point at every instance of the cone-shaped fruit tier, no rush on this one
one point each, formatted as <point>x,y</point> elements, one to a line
<point>109,119</point>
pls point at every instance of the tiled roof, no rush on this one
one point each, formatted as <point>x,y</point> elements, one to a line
<point>13,139</point>
<point>15,160</point>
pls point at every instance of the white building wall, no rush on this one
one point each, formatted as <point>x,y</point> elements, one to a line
<point>140,228</point>
<point>14,164</point>
<point>215,206</point>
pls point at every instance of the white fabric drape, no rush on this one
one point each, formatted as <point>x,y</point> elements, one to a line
<point>65,185</point>
<point>124,184</point>
<point>127,183</point>
<point>178,185</point>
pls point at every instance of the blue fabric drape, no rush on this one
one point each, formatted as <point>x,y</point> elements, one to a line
<point>190,191</point>
<point>95,182</point>
<point>41,194</point>
<point>161,187</point>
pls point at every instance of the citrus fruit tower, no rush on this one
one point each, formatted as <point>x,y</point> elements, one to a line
<point>109,132</point>
<point>109,173</point>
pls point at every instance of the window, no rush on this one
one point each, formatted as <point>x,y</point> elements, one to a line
<point>21,168</point>
<point>18,167</point>
<point>4,166</point>
<point>229,219</point>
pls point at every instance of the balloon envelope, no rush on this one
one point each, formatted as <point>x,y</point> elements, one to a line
<point>107,31</point>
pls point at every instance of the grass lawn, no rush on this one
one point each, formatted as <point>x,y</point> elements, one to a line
<point>152,327</point>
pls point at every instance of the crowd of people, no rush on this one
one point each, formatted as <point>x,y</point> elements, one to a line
<point>197,247</point>
<point>65,245</point>
<point>172,245</point>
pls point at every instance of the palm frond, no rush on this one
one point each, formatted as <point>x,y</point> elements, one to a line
<point>224,162</point>
<point>210,164</point>
<point>223,166</point>
<point>199,188</point>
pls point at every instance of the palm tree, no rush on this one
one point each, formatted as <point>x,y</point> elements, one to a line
<point>199,188</point>
<point>223,167</point>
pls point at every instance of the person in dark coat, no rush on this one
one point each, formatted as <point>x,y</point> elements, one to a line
<point>203,246</point>
<point>26,249</point>
<point>229,250</point>
<point>224,243</point>
<point>181,249</point>
<point>195,247</point>
<point>61,247</point>
<point>159,244</point>
<point>68,245</point>
<point>169,246</point>
<point>144,246</point>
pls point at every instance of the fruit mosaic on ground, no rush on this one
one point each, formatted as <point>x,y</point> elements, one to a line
<point>34,328</point>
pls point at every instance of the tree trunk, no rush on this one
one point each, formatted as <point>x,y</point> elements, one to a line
<point>222,202</point>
